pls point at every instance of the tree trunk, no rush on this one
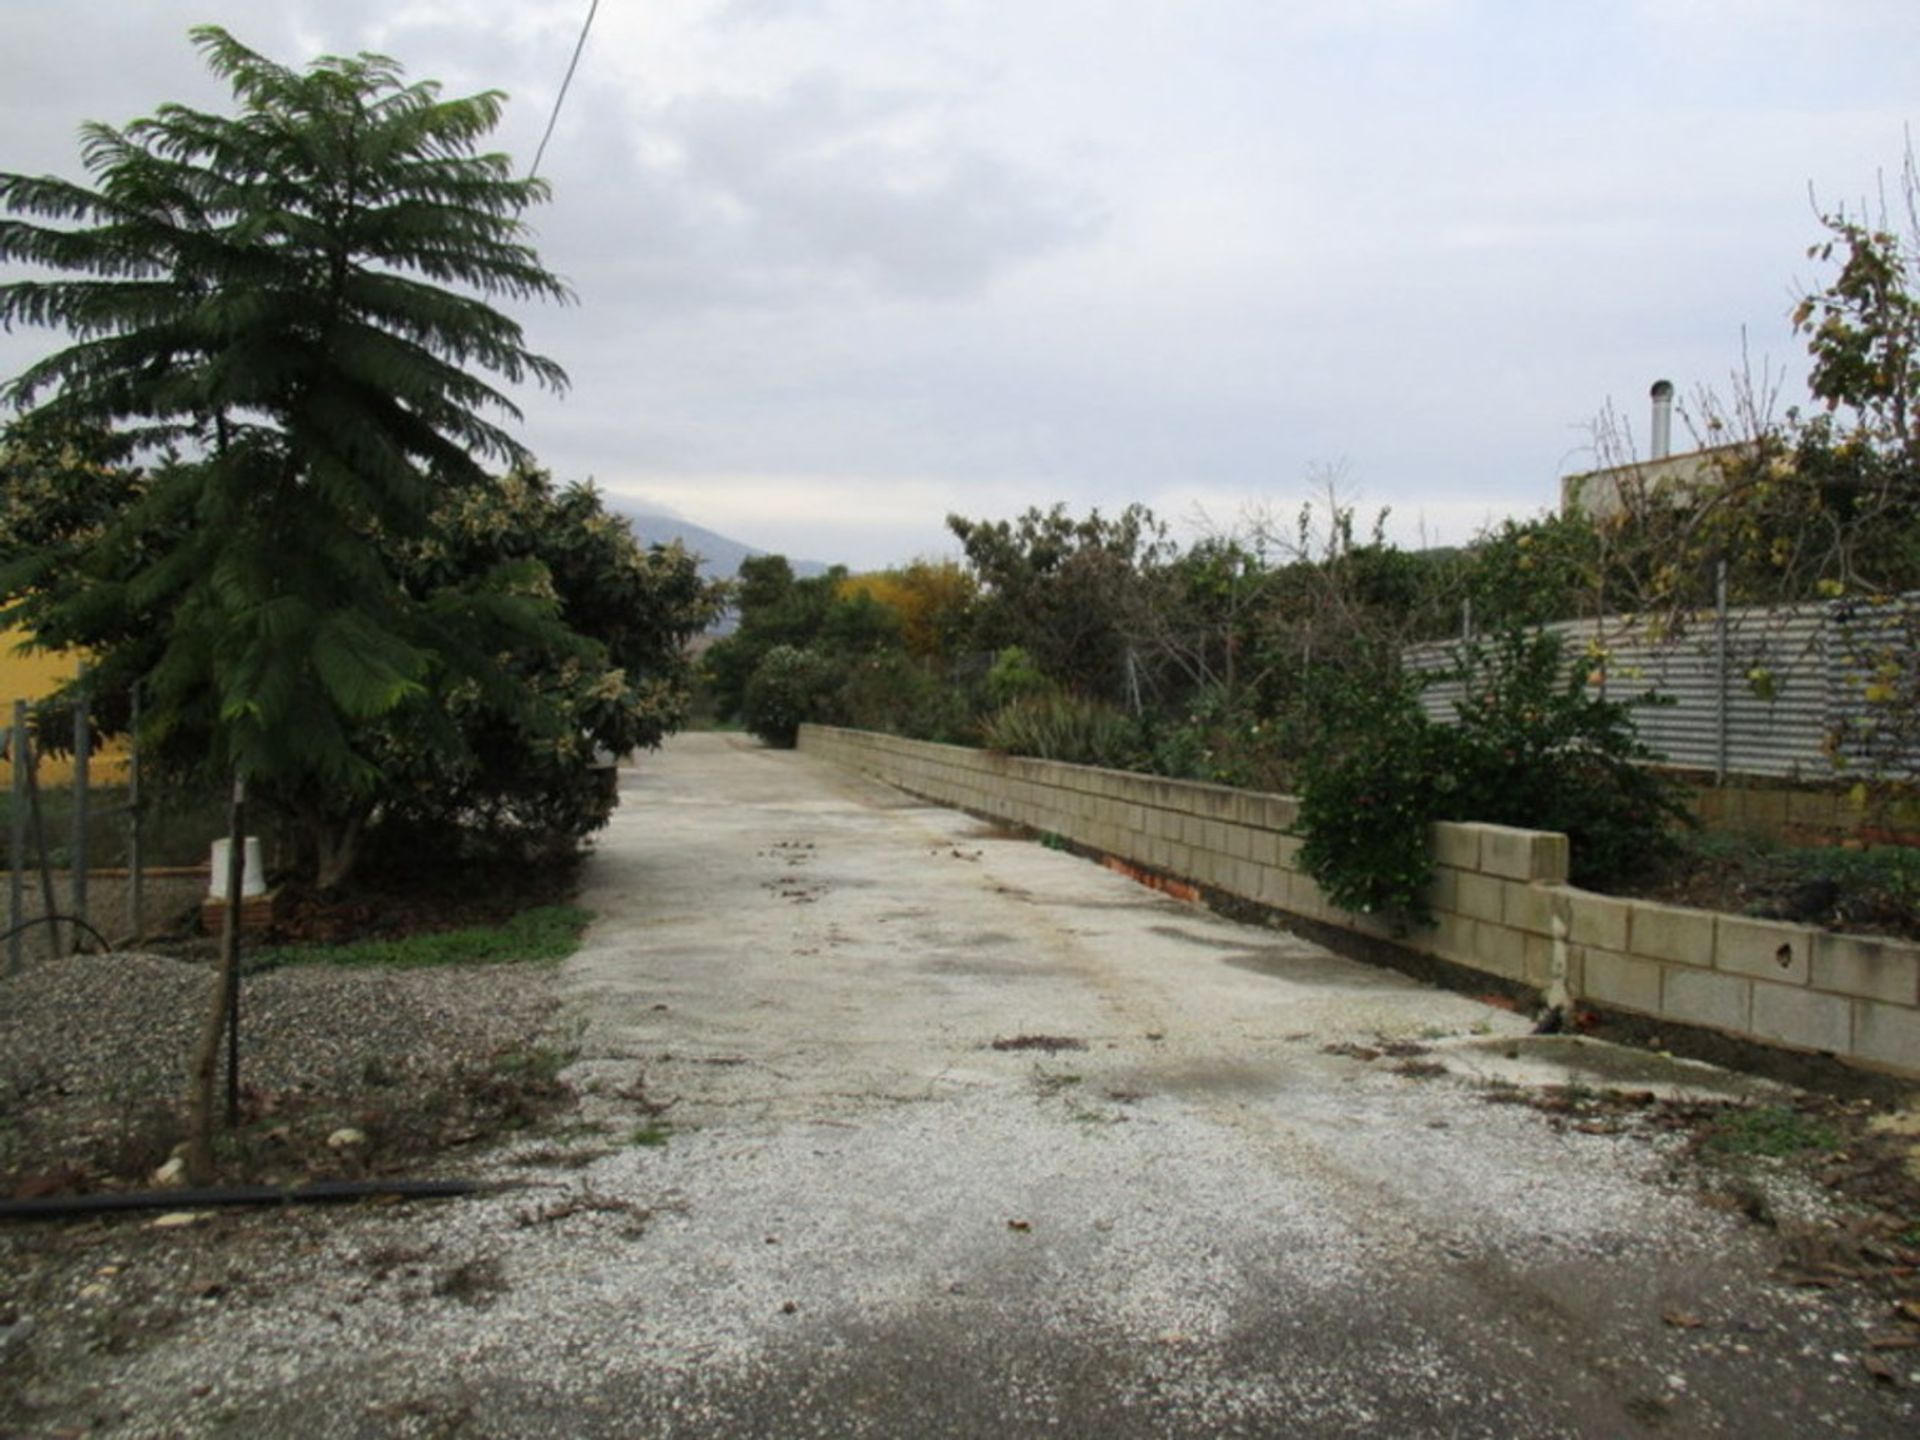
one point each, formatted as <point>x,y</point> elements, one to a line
<point>336,842</point>
<point>206,1057</point>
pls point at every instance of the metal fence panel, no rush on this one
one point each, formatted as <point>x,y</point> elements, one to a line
<point>1760,693</point>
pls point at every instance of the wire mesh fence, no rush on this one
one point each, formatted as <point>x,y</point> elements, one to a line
<point>83,870</point>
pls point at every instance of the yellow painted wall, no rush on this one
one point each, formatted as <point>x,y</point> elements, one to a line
<point>30,675</point>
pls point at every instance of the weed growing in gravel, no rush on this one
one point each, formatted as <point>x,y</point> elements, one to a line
<point>1771,1130</point>
<point>652,1135</point>
<point>545,934</point>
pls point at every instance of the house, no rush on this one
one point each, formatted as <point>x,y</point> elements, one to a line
<point>1661,478</point>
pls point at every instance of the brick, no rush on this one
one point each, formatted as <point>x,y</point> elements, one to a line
<point>1764,949</point>
<point>1516,854</point>
<point>1887,1035</point>
<point>1598,921</point>
<point>1800,1017</point>
<point>1673,932</point>
<point>1610,978</point>
<point>1479,896</point>
<point>1457,845</point>
<point>1701,997</point>
<point>1867,969</point>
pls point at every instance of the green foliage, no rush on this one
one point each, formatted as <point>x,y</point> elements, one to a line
<point>545,934</point>
<point>1013,676</point>
<point>1369,794</point>
<point>1529,747</point>
<point>778,611</point>
<point>518,776</point>
<point>789,688</point>
<point>298,297</point>
<point>1056,726</point>
<point>1777,1131</point>
<point>1225,739</point>
<point>1070,592</point>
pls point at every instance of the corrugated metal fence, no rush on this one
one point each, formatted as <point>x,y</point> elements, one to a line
<point>1752,691</point>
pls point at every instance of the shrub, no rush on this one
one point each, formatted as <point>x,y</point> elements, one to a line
<point>1529,747</point>
<point>1065,727</point>
<point>1014,676</point>
<point>788,688</point>
<point>1371,790</point>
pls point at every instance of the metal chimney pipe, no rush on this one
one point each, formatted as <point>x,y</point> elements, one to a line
<point>1662,445</point>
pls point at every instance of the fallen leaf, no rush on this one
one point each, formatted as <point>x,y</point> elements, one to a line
<point>1021,1225</point>
<point>1880,1369</point>
<point>1682,1319</point>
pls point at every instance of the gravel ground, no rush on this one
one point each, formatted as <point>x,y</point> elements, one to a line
<point>857,1216</point>
<point>94,1048</point>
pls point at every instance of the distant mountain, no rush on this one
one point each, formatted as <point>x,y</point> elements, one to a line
<point>719,556</point>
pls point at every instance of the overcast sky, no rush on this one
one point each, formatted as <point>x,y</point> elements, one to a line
<point>845,266</point>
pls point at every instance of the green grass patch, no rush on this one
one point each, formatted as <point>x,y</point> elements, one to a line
<point>1772,1130</point>
<point>545,934</point>
<point>652,1136</point>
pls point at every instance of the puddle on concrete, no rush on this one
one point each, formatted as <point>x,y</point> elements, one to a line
<point>1536,1060</point>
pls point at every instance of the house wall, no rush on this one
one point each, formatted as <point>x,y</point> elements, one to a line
<point>29,675</point>
<point>1500,898</point>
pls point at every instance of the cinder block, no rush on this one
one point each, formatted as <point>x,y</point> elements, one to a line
<point>1764,949</point>
<point>1456,845</point>
<point>1282,812</point>
<point>1286,851</point>
<point>1702,997</point>
<point>1239,842</point>
<point>1539,971</point>
<point>1443,891</point>
<point>1801,1017</point>
<point>1610,978</point>
<point>1500,950</point>
<point>1528,907</point>
<point>1305,897</point>
<point>1598,920</point>
<point>1478,896</point>
<point>1816,809</point>
<point>1455,937</point>
<point>1517,854</point>
<point>1887,1035</point>
<point>1673,932</point>
<point>1868,969</point>
<point>1274,888</point>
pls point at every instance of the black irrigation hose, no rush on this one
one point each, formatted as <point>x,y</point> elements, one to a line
<point>64,1207</point>
<point>105,944</point>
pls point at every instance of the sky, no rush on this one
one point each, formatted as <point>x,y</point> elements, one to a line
<point>846,266</point>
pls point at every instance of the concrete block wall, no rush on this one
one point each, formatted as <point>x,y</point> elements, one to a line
<point>1500,900</point>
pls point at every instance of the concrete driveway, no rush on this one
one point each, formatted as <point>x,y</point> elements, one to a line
<point>967,1137</point>
<point>905,1213</point>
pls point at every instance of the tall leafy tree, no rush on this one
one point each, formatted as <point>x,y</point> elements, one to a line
<point>293,307</point>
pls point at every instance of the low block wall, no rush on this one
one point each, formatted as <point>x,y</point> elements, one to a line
<point>1500,898</point>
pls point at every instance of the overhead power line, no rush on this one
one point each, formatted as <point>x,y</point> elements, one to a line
<point>560,99</point>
